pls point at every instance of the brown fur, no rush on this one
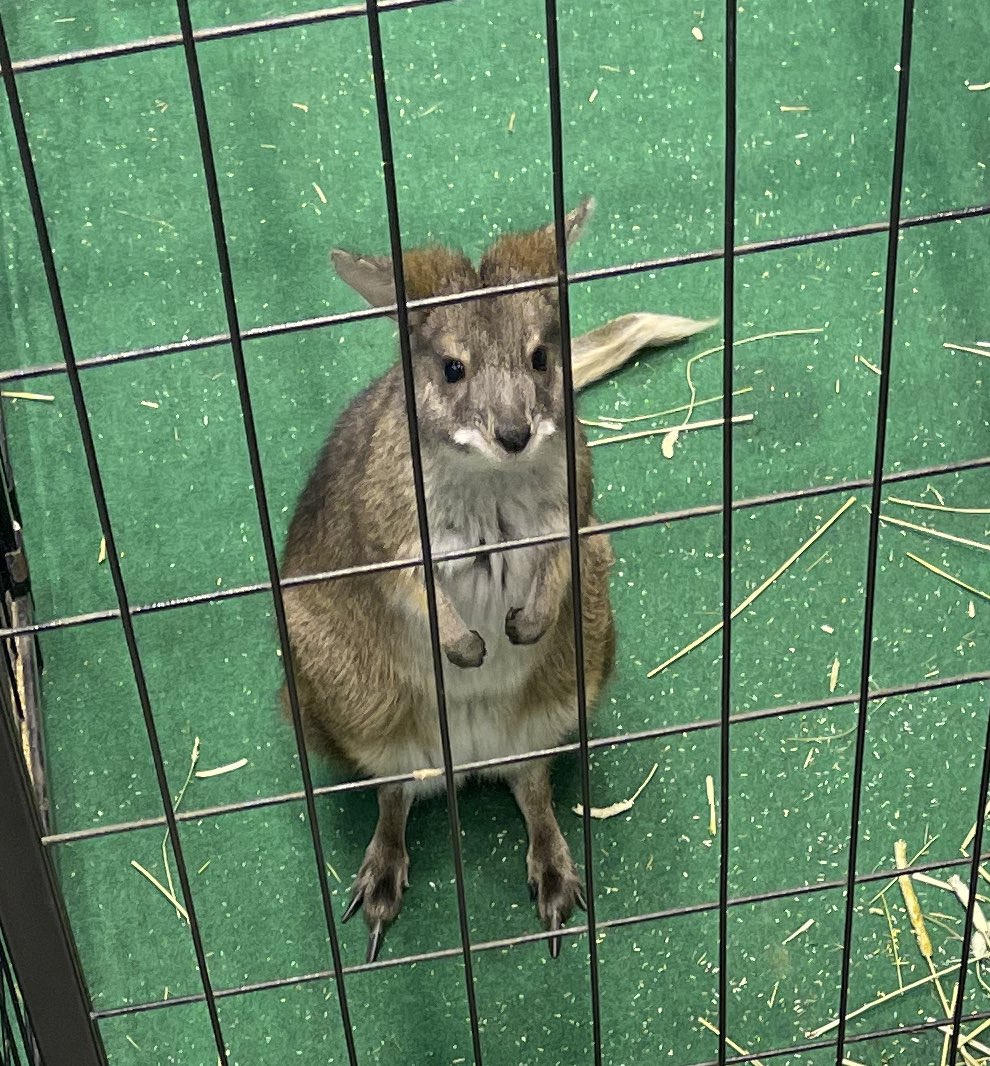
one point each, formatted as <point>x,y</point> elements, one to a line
<point>357,644</point>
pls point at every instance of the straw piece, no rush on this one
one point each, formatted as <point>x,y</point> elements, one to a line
<point>894,935</point>
<point>963,348</point>
<point>667,430</point>
<point>911,903</point>
<point>732,1044</point>
<point>101,558</point>
<point>161,888</point>
<point>971,1036</point>
<point>797,932</point>
<point>602,423</point>
<point>712,817</point>
<point>886,997</point>
<point>933,881</point>
<point>218,770</point>
<point>43,397</point>
<point>193,759</point>
<point>427,773</point>
<point>972,833</point>
<point>833,677</point>
<point>869,366</point>
<point>890,884</point>
<point>949,1010</point>
<point>620,806</point>
<point>760,589</point>
<point>937,506</point>
<point>980,945</point>
<point>948,577</point>
<point>736,344</point>
<point>671,410</point>
<point>936,533</point>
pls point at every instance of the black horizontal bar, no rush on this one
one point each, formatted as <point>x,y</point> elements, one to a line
<point>213,33</point>
<point>578,277</point>
<point>860,1038</point>
<point>617,526</point>
<point>530,938</point>
<point>594,743</point>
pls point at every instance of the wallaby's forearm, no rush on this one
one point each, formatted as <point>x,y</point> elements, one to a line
<point>527,623</point>
<point>462,646</point>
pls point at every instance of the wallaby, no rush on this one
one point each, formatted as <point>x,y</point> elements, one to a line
<point>490,402</point>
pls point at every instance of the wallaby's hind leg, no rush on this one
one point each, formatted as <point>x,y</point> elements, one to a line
<point>553,879</point>
<point>384,874</point>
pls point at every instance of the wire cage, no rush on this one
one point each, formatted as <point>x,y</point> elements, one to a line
<point>70,1022</point>
<point>17,1047</point>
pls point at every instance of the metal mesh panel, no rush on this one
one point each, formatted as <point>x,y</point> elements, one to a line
<point>17,628</point>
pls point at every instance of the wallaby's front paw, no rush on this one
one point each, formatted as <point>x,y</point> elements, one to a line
<point>467,652</point>
<point>378,888</point>
<point>557,889</point>
<point>522,630</point>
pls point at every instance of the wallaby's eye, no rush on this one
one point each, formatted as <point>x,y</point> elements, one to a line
<point>453,370</point>
<point>539,358</point>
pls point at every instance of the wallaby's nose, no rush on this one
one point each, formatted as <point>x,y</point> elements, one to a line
<point>513,438</point>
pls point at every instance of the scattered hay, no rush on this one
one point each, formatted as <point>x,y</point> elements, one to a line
<point>620,806</point>
<point>760,589</point>
<point>218,771</point>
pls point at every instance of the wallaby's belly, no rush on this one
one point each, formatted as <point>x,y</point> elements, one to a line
<point>484,703</point>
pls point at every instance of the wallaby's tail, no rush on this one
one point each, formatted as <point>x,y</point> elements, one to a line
<point>596,354</point>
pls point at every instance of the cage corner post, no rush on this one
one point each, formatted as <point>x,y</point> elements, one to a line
<point>35,928</point>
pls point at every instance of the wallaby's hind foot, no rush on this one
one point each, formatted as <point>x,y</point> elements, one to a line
<point>384,874</point>
<point>553,879</point>
<point>555,886</point>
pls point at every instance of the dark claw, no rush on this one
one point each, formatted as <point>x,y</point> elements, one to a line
<point>375,937</point>
<point>580,900</point>
<point>555,924</point>
<point>533,890</point>
<point>354,906</point>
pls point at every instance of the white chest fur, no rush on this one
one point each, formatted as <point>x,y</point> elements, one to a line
<point>466,508</point>
<point>508,504</point>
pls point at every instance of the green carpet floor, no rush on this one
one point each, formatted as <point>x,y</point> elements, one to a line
<point>293,123</point>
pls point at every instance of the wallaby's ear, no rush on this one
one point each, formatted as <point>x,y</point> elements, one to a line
<point>428,272</point>
<point>533,254</point>
<point>574,221</point>
<point>369,276</point>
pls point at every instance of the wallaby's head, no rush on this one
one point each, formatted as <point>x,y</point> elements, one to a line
<point>487,371</point>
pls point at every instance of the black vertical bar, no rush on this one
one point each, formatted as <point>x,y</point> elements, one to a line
<point>261,497</point>
<point>728,479</point>
<point>876,490</point>
<point>99,495</point>
<point>573,519</point>
<point>402,316</point>
<point>974,874</point>
<point>34,925</point>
